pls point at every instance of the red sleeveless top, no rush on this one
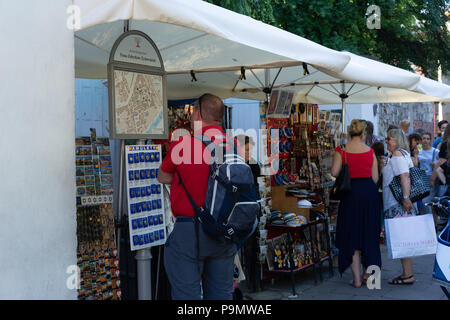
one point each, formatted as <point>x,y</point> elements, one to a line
<point>359,164</point>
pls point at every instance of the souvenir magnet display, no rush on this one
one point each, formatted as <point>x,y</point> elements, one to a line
<point>145,205</point>
<point>97,254</point>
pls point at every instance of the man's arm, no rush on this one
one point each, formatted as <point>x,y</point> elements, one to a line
<point>164,177</point>
<point>434,173</point>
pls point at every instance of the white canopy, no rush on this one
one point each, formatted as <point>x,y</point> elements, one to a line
<point>215,43</point>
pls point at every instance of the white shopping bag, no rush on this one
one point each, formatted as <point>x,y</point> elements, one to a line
<point>410,236</point>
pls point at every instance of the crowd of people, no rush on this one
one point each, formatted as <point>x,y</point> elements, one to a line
<point>373,163</point>
<point>199,266</point>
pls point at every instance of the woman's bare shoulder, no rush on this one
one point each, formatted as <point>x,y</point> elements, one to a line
<point>397,153</point>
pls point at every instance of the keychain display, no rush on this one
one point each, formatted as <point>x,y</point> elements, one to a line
<point>145,196</point>
<point>93,169</point>
<point>99,274</point>
<point>97,256</point>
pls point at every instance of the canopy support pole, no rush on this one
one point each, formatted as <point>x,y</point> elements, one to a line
<point>344,130</point>
<point>267,83</point>
<point>119,208</point>
<point>144,267</point>
<point>343,96</point>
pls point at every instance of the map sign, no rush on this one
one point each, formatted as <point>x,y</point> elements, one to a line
<point>139,103</point>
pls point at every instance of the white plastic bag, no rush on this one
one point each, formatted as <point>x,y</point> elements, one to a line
<point>410,236</point>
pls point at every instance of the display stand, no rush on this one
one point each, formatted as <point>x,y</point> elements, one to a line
<point>313,257</point>
<point>303,139</point>
<point>97,253</point>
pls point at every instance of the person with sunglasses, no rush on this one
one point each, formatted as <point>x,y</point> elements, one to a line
<point>398,163</point>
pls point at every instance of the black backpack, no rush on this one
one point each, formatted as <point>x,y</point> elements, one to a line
<point>231,208</point>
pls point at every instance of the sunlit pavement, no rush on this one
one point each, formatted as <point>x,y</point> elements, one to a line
<point>338,288</point>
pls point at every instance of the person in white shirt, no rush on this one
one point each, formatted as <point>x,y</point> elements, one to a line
<point>428,156</point>
<point>399,164</point>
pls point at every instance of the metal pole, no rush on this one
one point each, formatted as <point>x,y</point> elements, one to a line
<point>144,271</point>
<point>119,215</point>
<point>344,129</point>
<point>144,268</point>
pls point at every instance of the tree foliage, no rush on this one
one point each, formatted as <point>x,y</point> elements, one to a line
<point>411,31</point>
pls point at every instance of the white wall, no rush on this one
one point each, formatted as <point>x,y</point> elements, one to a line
<point>37,169</point>
<point>245,116</point>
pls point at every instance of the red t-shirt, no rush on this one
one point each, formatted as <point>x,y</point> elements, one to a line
<point>359,164</point>
<point>184,156</point>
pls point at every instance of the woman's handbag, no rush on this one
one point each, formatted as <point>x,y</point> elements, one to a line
<point>419,187</point>
<point>342,185</point>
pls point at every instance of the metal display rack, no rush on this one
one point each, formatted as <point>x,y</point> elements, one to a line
<point>317,260</point>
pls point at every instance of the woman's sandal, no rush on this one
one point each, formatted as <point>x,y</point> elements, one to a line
<point>351,283</point>
<point>364,278</point>
<point>401,281</point>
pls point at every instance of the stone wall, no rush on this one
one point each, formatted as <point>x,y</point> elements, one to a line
<point>419,114</point>
<point>446,106</point>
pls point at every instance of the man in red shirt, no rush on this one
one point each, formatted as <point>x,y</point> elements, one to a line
<point>191,257</point>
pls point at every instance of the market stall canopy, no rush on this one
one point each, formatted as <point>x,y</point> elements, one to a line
<point>206,48</point>
<point>191,35</point>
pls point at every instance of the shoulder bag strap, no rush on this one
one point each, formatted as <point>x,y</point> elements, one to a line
<point>345,155</point>
<point>196,208</point>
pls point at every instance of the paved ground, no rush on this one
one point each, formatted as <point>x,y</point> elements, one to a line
<point>337,287</point>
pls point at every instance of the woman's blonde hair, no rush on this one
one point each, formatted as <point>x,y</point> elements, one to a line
<point>400,137</point>
<point>357,128</point>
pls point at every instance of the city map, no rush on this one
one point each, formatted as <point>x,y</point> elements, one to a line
<point>138,103</point>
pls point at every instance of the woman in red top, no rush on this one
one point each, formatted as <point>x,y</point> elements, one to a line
<point>358,223</point>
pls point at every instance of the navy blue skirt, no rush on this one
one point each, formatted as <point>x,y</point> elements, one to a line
<point>359,225</point>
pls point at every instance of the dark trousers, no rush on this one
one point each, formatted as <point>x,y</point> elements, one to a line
<point>189,270</point>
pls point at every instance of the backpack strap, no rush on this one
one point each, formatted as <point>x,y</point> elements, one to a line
<point>212,146</point>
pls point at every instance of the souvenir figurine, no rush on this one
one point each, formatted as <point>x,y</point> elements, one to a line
<point>309,259</point>
<point>285,255</point>
<point>295,261</point>
<point>278,258</point>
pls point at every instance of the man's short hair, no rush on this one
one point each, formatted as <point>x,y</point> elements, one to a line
<point>211,107</point>
<point>404,124</point>
<point>427,133</point>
